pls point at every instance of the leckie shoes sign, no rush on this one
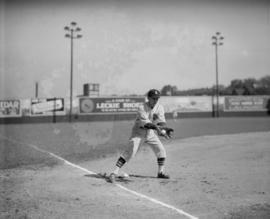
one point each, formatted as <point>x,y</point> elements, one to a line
<point>110,105</point>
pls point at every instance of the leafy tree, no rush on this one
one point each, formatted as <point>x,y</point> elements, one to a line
<point>264,84</point>
<point>168,90</point>
<point>237,87</point>
<point>248,86</point>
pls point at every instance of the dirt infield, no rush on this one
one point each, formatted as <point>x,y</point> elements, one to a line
<point>222,176</point>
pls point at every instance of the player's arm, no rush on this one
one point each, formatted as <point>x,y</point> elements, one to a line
<point>161,129</point>
<point>151,125</point>
<point>155,127</point>
<point>162,124</point>
<point>166,131</point>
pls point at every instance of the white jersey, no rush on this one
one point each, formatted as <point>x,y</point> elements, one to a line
<point>145,115</point>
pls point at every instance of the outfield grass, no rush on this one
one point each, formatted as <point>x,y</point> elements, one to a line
<point>91,140</point>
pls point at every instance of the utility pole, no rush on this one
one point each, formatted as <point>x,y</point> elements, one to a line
<point>72,34</point>
<point>36,90</point>
<point>217,41</point>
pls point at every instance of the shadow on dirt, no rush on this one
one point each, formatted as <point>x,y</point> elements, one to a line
<point>143,177</point>
<point>105,176</point>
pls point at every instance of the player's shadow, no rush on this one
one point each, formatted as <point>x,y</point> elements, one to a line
<point>106,177</point>
<point>94,175</point>
<point>142,176</point>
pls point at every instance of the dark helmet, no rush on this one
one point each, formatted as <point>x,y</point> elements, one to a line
<point>153,93</point>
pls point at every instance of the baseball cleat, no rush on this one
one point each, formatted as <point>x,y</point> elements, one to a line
<point>111,178</point>
<point>163,176</point>
<point>124,175</point>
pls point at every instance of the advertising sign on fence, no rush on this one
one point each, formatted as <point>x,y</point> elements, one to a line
<point>50,106</point>
<point>246,103</point>
<point>110,104</point>
<point>10,108</point>
<point>186,104</point>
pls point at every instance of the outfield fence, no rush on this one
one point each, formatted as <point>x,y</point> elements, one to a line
<point>57,109</point>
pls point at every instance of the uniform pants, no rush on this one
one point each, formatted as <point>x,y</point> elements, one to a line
<point>136,141</point>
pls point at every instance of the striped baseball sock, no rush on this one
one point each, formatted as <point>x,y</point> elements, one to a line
<point>161,163</point>
<point>120,162</point>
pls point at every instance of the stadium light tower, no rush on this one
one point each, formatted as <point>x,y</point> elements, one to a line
<point>217,40</point>
<point>72,33</point>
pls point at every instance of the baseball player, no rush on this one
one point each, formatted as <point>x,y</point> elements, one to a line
<point>148,125</point>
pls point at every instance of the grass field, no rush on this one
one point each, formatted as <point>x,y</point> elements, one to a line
<point>219,169</point>
<point>91,140</point>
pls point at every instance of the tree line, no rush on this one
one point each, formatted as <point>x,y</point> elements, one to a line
<point>248,86</point>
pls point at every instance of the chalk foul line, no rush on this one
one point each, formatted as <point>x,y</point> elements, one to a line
<point>179,211</point>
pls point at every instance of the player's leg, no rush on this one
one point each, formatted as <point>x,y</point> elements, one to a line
<point>160,153</point>
<point>130,152</point>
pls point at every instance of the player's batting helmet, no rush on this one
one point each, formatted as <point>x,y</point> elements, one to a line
<point>153,93</point>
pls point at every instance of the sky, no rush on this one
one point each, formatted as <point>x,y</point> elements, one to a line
<point>130,46</point>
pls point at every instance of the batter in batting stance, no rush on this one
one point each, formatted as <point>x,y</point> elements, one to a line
<point>150,122</point>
